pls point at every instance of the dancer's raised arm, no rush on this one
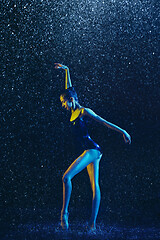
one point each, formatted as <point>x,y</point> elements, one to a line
<point>67,74</point>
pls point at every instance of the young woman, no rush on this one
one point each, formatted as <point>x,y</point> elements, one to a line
<point>91,152</point>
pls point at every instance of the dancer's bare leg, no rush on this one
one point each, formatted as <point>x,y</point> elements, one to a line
<point>77,166</point>
<point>93,172</point>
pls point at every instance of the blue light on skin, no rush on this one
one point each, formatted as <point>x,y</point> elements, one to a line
<point>89,159</point>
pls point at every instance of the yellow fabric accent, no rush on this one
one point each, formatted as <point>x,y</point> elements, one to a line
<point>76,113</point>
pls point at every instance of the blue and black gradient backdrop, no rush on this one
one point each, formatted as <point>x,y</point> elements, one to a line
<point>111,48</point>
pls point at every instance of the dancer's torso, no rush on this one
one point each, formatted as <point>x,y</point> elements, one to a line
<point>81,136</point>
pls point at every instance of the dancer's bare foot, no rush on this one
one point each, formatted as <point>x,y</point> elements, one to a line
<point>64,220</point>
<point>91,227</point>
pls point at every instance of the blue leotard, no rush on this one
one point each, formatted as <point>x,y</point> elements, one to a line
<point>82,139</point>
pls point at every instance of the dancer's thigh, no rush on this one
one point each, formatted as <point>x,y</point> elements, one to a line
<point>93,172</point>
<point>81,162</point>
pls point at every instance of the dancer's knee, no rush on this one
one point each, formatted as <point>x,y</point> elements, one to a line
<point>95,188</point>
<point>65,178</point>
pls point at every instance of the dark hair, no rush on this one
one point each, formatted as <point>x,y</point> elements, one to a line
<point>70,92</point>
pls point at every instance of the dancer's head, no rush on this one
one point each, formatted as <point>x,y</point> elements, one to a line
<point>69,98</point>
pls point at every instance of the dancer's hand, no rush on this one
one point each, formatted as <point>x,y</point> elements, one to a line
<point>60,66</point>
<point>127,137</point>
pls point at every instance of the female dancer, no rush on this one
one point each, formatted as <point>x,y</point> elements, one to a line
<point>91,152</point>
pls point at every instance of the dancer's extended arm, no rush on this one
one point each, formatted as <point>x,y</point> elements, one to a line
<point>93,115</point>
<point>67,74</point>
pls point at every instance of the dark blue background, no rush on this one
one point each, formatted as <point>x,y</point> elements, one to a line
<point>111,48</point>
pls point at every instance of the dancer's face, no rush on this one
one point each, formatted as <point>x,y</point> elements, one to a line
<point>66,103</point>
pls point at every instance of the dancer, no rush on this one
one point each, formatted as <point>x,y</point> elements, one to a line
<point>91,152</point>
